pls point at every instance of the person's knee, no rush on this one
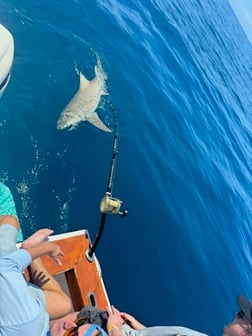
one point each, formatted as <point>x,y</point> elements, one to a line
<point>11,220</point>
<point>58,304</point>
<point>66,303</point>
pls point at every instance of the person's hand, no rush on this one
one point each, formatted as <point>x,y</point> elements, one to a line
<point>132,321</point>
<point>55,252</point>
<point>114,317</point>
<point>129,319</point>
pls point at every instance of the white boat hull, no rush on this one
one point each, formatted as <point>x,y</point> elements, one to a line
<point>6,57</point>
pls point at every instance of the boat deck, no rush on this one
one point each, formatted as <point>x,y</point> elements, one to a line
<point>77,275</point>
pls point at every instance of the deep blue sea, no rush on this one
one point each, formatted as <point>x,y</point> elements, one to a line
<point>179,75</point>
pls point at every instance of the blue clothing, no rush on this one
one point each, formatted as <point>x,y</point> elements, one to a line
<point>21,313</point>
<point>8,236</point>
<point>94,327</point>
<point>22,305</point>
<point>126,330</point>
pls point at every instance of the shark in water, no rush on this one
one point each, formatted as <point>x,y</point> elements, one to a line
<point>83,105</point>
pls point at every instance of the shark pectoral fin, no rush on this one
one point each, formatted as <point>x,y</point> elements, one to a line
<point>96,121</point>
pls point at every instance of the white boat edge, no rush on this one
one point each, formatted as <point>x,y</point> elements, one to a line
<point>6,57</point>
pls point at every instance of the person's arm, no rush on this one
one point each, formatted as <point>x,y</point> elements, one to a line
<point>115,322</point>
<point>132,321</point>
<point>113,330</point>
<point>46,248</point>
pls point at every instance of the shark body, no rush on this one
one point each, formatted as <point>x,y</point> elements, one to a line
<point>83,105</point>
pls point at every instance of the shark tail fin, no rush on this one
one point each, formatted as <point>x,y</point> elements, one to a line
<point>96,121</point>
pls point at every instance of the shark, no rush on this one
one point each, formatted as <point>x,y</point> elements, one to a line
<point>83,105</point>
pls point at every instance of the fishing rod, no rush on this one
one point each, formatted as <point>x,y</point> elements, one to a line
<point>109,204</point>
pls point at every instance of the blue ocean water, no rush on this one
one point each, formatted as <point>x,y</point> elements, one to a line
<point>179,78</point>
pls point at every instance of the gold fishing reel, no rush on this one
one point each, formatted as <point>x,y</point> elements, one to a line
<point>111,205</point>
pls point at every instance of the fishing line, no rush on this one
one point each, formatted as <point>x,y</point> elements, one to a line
<point>109,204</point>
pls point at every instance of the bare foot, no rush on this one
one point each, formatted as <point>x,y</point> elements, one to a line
<point>37,238</point>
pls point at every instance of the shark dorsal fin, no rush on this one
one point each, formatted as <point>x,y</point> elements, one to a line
<point>83,81</point>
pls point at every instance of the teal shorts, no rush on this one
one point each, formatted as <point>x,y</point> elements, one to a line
<point>7,206</point>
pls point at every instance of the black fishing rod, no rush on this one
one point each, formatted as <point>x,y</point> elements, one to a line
<point>109,204</point>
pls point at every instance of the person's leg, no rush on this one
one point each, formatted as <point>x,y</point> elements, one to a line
<point>9,224</point>
<point>7,207</point>
<point>58,302</point>
<point>9,220</point>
